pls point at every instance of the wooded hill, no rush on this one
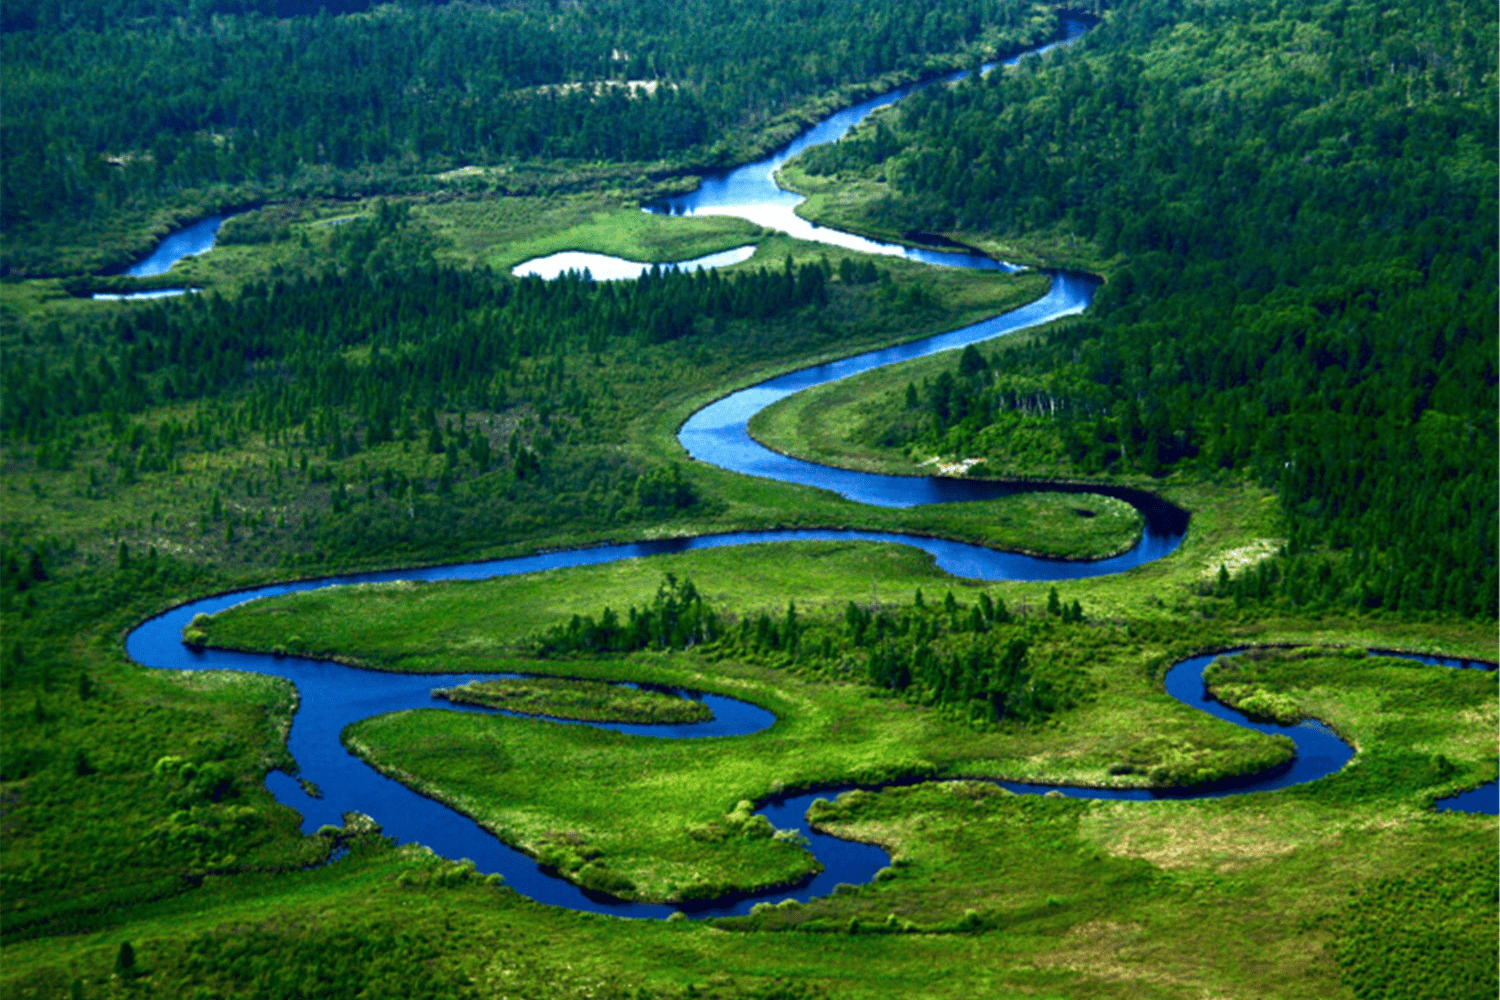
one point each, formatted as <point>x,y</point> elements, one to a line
<point>115,106</point>
<point>1303,197</point>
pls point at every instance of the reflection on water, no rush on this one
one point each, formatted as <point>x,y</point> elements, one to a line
<point>603,267</point>
<point>334,696</point>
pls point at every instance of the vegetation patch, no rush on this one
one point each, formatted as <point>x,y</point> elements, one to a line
<point>591,701</point>
<point>1431,933</point>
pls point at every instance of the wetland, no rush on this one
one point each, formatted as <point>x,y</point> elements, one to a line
<point>1139,692</point>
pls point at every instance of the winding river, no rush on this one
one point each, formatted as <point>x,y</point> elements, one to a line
<point>333,696</point>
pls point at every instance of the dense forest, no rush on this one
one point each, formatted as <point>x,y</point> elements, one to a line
<point>1303,197</point>
<point>385,347</point>
<point>112,104</point>
<point>971,661</point>
<point>437,338</point>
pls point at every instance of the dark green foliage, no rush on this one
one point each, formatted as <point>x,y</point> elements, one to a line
<point>990,678</point>
<point>20,568</point>
<point>105,107</point>
<point>103,830</point>
<point>1430,934</point>
<point>297,958</point>
<point>664,488</point>
<point>342,363</point>
<point>1309,291</point>
<point>853,272</point>
<point>972,662</point>
<point>1364,392</point>
<point>965,661</point>
<point>436,337</point>
<point>676,619</point>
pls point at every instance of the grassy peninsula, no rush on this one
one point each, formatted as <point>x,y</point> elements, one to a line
<point>569,698</point>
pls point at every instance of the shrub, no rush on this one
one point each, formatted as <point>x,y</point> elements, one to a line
<point>792,837</point>
<point>758,828</point>
<point>596,876</point>
<point>125,961</point>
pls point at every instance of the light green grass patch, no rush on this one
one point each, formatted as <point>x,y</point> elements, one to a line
<point>503,232</point>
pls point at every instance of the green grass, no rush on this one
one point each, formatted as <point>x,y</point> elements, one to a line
<point>1435,727</point>
<point>829,732</point>
<point>1074,888</point>
<point>1074,525</point>
<point>501,233</point>
<point>567,698</point>
<point>276,506</point>
<point>655,810</point>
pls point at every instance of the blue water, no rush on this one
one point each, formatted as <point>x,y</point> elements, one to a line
<point>1484,799</point>
<point>186,242</point>
<point>334,696</point>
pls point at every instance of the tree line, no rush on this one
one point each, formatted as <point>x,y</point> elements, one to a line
<point>428,338</point>
<point>676,618</point>
<point>973,662</point>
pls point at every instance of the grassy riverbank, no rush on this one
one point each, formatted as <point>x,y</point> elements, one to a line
<point>83,608</point>
<point>349,394</point>
<point>711,86</point>
<point>862,422</point>
<point>828,732</point>
<point>1071,886</point>
<point>247,499</point>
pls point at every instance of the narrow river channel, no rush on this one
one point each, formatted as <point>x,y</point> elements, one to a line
<point>334,696</point>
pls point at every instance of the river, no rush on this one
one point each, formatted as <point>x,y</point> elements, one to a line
<point>333,696</point>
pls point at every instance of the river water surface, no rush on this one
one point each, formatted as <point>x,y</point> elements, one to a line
<point>188,241</point>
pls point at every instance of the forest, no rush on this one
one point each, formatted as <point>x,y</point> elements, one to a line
<point>116,106</point>
<point>956,749</point>
<point>1303,202</point>
<point>945,656</point>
